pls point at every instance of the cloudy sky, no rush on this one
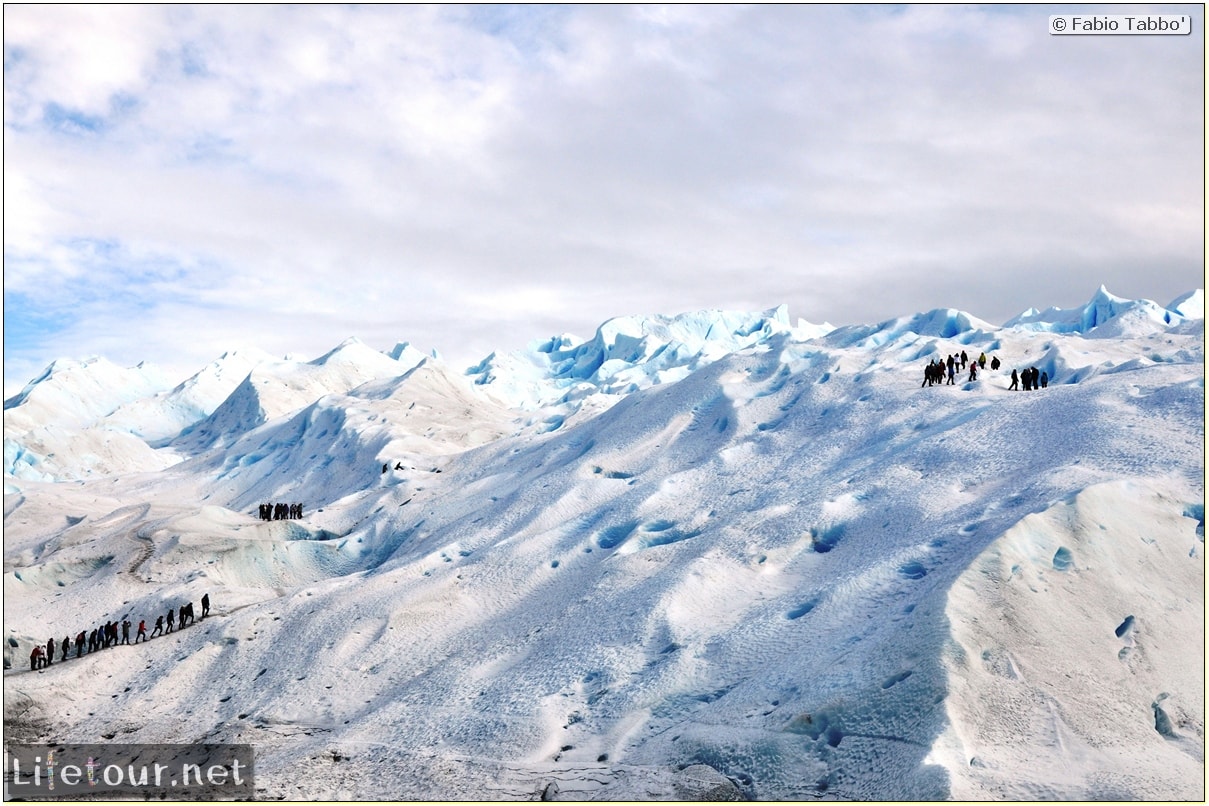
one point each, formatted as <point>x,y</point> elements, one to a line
<point>184,180</point>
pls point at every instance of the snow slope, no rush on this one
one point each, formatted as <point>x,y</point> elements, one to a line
<point>784,571</point>
<point>1094,558</point>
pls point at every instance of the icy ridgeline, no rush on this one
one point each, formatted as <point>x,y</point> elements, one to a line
<point>788,572</point>
<point>627,354</point>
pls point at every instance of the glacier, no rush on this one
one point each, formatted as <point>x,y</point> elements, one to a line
<point>707,556</point>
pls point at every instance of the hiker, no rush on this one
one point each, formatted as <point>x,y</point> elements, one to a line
<point>66,646</point>
<point>142,633</point>
<point>952,368</point>
<point>171,621</point>
<point>995,362</point>
<point>205,604</point>
<point>159,626</point>
<point>50,651</point>
<point>1015,382</point>
<point>181,617</point>
<point>80,639</point>
<point>1044,380</point>
<point>973,370</point>
<point>35,659</point>
<point>964,359</point>
<point>982,361</point>
<point>126,632</point>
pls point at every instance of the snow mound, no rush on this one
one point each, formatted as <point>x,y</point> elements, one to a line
<point>278,388</point>
<point>1190,305</point>
<point>78,393</point>
<point>945,323</point>
<point>405,354</point>
<point>1105,315</point>
<point>168,413</point>
<point>46,426</point>
<point>383,432</point>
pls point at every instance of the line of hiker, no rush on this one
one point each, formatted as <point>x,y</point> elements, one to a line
<point>280,512</point>
<point>106,635</point>
<point>936,372</point>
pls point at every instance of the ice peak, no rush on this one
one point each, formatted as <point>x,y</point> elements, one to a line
<point>1190,305</point>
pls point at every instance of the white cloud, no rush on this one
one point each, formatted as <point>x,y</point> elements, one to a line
<point>76,56</point>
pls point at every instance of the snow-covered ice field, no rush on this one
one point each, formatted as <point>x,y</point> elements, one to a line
<point>708,556</point>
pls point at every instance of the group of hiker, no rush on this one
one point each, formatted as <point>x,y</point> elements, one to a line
<point>280,512</point>
<point>937,370</point>
<point>1030,379</point>
<point>106,635</point>
<point>399,466</point>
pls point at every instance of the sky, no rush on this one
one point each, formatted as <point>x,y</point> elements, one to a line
<point>180,181</point>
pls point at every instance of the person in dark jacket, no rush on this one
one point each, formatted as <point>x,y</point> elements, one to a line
<point>50,651</point>
<point>1015,381</point>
